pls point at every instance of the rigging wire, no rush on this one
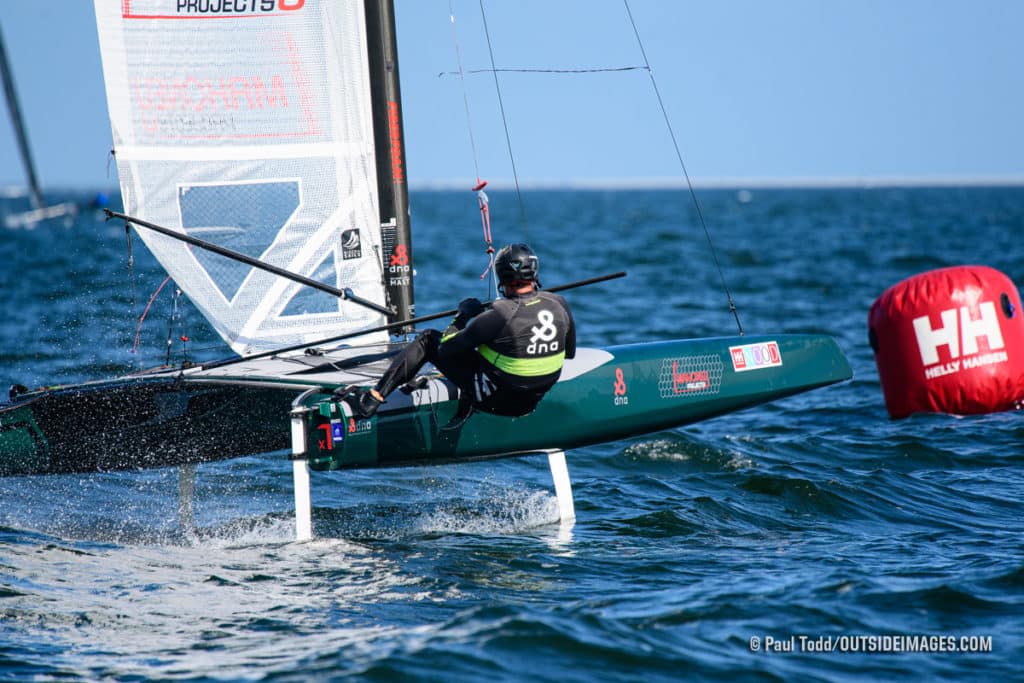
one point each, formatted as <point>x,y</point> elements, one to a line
<point>465,95</point>
<point>138,328</point>
<point>504,121</point>
<point>170,328</point>
<point>511,70</point>
<point>131,280</point>
<point>379,260</point>
<point>481,196</point>
<point>182,335</point>
<point>682,165</point>
<point>177,314</point>
<point>494,71</point>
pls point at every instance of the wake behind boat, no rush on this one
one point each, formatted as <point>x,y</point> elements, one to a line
<point>271,186</point>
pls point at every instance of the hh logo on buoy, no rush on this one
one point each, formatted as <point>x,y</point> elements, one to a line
<point>960,334</point>
<point>949,340</point>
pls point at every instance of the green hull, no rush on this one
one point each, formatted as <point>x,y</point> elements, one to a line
<point>170,418</point>
<point>630,390</point>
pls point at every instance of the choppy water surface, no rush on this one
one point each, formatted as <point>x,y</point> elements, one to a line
<point>815,516</point>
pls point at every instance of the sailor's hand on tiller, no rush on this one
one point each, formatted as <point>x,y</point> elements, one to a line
<point>470,308</point>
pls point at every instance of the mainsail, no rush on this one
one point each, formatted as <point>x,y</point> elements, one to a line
<point>249,123</point>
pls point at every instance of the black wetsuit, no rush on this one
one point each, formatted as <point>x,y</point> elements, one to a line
<point>503,361</point>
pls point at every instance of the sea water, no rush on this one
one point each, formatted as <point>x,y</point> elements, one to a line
<point>809,539</point>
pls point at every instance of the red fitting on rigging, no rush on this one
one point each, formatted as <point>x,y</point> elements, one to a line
<point>485,219</point>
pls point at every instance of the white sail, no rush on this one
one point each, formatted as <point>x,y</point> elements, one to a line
<point>248,123</point>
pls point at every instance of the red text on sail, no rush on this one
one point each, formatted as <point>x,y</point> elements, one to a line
<point>192,106</point>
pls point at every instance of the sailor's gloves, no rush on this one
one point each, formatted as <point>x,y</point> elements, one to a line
<point>468,309</point>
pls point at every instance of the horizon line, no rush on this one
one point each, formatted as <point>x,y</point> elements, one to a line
<point>661,183</point>
<point>733,183</point>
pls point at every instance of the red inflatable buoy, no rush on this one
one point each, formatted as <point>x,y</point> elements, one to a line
<point>950,341</point>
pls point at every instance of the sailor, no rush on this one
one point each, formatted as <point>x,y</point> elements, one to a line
<point>503,358</point>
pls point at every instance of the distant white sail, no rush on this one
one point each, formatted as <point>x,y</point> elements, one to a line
<point>248,123</point>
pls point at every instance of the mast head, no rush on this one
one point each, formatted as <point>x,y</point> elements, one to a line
<point>516,263</point>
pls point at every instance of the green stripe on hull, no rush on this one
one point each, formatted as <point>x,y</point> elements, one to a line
<point>637,389</point>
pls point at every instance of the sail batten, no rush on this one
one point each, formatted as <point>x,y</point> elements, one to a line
<point>258,135</point>
<point>236,152</point>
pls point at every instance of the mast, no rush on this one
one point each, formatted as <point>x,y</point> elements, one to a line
<point>19,128</point>
<point>389,143</point>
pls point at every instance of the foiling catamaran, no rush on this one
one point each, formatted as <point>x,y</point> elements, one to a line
<point>261,160</point>
<point>40,211</point>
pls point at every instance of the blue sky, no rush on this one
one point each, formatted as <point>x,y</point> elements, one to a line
<point>790,90</point>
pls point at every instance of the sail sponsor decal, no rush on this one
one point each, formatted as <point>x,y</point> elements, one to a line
<point>207,9</point>
<point>620,389</point>
<point>194,94</point>
<point>273,91</point>
<point>198,106</point>
<point>755,356</point>
<point>959,333</point>
<point>351,244</point>
<point>690,376</point>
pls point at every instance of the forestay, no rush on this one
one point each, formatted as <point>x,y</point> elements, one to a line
<point>249,124</point>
